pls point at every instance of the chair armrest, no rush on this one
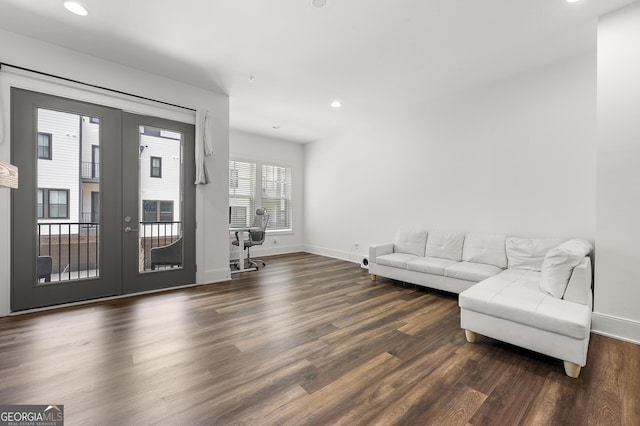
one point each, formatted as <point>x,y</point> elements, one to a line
<point>379,250</point>
<point>579,287</point>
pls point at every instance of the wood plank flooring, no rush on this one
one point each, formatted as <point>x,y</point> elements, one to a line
<point>307,340</point>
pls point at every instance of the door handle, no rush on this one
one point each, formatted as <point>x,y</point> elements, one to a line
<point>130,229</point>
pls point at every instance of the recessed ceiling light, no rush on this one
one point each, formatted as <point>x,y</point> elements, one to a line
<point>76,8</point>
<point>573,1</point>
<point>318,3</point>
<point>251,79</point>
<point>276,127</point>
<point>336,104</point>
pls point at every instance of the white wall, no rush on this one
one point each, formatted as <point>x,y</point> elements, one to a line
<point>251,147</point>
<point>211,202</point>
<point>617,277</point>
<point>517,157</point>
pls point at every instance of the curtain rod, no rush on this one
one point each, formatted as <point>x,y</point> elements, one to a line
<point>95,86</point>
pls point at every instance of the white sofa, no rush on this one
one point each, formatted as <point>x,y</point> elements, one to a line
<point>533,293</point>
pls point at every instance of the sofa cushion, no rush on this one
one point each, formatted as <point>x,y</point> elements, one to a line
<point>410,242</point>
<point>485,248</point>
<point>430,265</point>
<point>445,245</point>
<point>397,260</point>
<point>528,253</point>
<point>558,265</point>
<point>514,295</point>
<point>471,271</point>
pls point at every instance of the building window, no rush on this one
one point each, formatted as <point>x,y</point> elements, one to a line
<point>40,203</point>
<point>156,167</point>
<point>44,146</point>
<point>157,211</point>
<point>52,204</point>
<point>242,192</point>
<point>275,194</point>
<point>95,161</point>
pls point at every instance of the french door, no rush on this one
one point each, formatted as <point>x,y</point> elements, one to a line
<point>105,206</point>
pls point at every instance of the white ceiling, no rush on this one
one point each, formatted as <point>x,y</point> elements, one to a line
<point>373,55</point>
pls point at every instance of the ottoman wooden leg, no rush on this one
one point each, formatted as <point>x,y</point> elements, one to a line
<point>470,335</point>
<point>373,277</point>
<point>572,370</point>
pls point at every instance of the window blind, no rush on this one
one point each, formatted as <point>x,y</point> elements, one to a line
<point>276,196</point>
<point>242,192</point>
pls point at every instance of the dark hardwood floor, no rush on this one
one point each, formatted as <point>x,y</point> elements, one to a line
<point>307,340</point>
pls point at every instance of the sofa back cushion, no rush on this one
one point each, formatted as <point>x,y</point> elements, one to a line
<point>528,253</point>
<point>558,265</point>
<point>445,245</point>
<point>410,241</point>
<point>485,248</point>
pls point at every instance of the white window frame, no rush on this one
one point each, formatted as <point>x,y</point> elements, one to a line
<point>258,190</point>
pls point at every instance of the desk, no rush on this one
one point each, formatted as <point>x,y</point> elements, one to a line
<point>241,230</point>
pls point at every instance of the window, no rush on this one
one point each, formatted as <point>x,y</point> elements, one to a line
<point>156,167</point>
<point>242,192</point>
<point>166,211</point>
<point>157,211</point>
<point>95,161</point>
<point>40,203</point>
<point>52,204</point>
<point>275,184</point>
<point>276,196</point>
<point>44,146</point>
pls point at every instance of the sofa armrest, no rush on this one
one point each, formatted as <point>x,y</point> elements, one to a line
<point>379,250</point>
<point>579,287</point>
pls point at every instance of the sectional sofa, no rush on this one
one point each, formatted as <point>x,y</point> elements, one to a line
<point>533,293</point>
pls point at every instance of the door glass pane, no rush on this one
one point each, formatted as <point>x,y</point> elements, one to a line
<point>67,199</point>
<point>160,199</point>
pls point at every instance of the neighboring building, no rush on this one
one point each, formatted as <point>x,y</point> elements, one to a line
<point>160,178</point>
<point>68,203</point>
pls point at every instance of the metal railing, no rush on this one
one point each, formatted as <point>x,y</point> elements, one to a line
<point>89,218</point>
<point>156,234</point>
<point>74,248</point>
<point>90,170</point>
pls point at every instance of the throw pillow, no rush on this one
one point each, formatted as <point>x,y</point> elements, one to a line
<point>558,265</point>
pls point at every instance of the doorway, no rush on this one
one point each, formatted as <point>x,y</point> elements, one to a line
<point>79,227</point>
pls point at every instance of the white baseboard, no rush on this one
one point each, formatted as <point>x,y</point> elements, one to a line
<point>349,256</point>
<point>617,328</point>
<point>213,276</point>
<point>272,250</point>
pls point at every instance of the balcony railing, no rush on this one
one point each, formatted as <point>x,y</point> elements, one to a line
<point>90,170</point>
<point>74,247</point>
<point>89,218</point>
<point>156,234</point>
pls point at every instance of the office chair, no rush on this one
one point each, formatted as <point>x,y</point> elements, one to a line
<point>256,238</point>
